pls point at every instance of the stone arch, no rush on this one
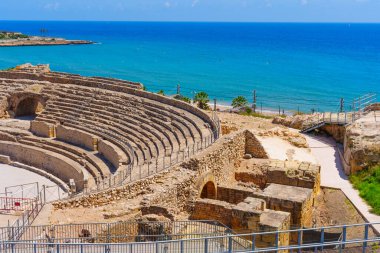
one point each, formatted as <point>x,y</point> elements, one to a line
<point>208,191</point>
<point>207,187</point>
<point>26,104</point>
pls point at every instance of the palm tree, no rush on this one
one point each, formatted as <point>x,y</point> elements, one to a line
<point>239,101</point>
<point>202,99</point>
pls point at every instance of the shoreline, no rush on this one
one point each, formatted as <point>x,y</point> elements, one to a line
<point>43,42</point>
<point>265,111</point>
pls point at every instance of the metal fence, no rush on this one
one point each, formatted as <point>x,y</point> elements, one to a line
<point>274,241</point>
<point>118,232</point>
<point>29,190</point>
<point>29,208</point>
<point>15,204</point>
<point>15,230</point>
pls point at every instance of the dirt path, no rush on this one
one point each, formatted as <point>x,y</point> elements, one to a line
<point>325,151</point>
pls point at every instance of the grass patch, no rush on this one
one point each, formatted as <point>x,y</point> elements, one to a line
<point>256,114</point>
<point>367,182</point>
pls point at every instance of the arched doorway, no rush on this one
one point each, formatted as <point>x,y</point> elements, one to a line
<point>208,191</point>
<point>29,106</point>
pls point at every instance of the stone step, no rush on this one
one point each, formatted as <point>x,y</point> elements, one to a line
<point>101,126</point>
<point>73,123</point>
<point>195,121</point>
<point>124,126</point>
<point>76,99</point>
<point>104,168</point>
<point>45,145</point>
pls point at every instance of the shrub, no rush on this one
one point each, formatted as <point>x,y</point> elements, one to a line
<point>161,92</point>
<point>248,112</point>
<point>182,98</point>
<point>239,101</point>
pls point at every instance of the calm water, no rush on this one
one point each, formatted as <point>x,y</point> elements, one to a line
<point>306,65</point>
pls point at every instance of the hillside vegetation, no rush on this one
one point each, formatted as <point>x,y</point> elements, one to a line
<point>367,182</point>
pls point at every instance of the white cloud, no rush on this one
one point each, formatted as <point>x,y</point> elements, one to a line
<point>194,3</point>
<point>52,6</point>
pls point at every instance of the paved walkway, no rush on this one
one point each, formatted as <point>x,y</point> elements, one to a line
<point>332,175</point>
<point>11,176</point>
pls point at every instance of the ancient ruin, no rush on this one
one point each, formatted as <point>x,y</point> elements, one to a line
<point>125,154</point>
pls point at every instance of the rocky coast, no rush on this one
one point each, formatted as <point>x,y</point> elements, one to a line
<point>12,39</point>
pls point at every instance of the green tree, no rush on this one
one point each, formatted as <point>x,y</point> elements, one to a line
<point>161,92</point>
<point>202,99</point>
<point>239,101</point>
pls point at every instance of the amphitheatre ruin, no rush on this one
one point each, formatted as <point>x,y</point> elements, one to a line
<point>133,166</point>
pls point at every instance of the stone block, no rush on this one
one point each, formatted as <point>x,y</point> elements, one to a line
<point>76,137</point>
<point>112,153</point>
<point>42,129</point>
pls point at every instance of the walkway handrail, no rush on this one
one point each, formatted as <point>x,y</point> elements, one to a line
<point>220,243</point>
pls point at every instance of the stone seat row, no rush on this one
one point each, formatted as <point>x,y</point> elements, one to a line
<point>97,167</point>
<point>98,126</point>
<point>140,103</point>
<point>55,77</point>
<point>94,78</point>
<point>91,111</point>
<point>136,118</point>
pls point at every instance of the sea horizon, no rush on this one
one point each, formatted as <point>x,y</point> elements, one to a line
<point>193,21</point>
<point>305,65</point>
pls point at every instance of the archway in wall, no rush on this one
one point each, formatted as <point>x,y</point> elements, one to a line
<point>29,107</point>
<point>208,191</point>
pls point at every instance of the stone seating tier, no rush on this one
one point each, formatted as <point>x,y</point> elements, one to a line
<point>113,122</point>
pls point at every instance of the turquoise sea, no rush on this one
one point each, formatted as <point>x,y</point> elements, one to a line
<point>289,65</point>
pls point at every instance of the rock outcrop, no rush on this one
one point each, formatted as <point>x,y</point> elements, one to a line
<point>362,144</point>
<point>294,138</point>
<point>297,122</point>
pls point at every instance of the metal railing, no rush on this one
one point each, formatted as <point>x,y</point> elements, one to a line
<point>119,232</point>
<point>360,103</point>
<point>272,241</point>
<point>15,204</point>
<point>30,209</point>
<point>15,230</point>
<point>29,190</point>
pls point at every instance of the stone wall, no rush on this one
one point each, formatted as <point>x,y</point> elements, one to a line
<point>112,153</point>
<point>253,146</point>
<point>53,163</point>
<point>295,200</point>
<point>219,158</point>
<point>76,137</point>
<point>245,217</point>
<point>42,129</point>
<point>167,190</point>
<point>293,173</point>
<point>336,131</point>
<point>233,194</point>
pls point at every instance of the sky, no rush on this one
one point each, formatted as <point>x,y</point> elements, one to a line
<point>194,10</point>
